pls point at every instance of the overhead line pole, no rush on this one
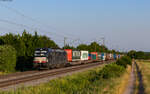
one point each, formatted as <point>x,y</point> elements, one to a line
<point>65,38</point>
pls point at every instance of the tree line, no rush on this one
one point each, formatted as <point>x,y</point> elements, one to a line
<point>138,54</point>
<point>93,47</point>
<point>23,47</point>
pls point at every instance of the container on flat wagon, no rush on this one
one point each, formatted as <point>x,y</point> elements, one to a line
<point>76,55</point>
<point>99,56</point>
<point>94,55</point>
<point>84,55</point>
<point>69,54</point>
<point>107,56</point>
<point>115,56</point>
<point>111,56</point>
<point>103,56</point>
<point>89,56</point>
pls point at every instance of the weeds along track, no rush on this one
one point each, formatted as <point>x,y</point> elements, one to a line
<point>43,74</point>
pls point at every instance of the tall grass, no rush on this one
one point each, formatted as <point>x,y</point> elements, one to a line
<point>102,80</point>
<point>144,67</point>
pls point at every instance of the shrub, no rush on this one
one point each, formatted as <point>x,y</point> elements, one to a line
<point>7,58</point>
<point>127,59</point>
<point>111,70</point>
<point>121,62</point>
<point>124,61</point>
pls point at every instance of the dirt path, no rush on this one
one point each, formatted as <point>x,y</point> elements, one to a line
<point>131,87</point>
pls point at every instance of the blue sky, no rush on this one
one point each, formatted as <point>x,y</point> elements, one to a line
<point>125,24</point>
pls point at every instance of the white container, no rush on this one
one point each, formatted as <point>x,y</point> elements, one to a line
<point>104,58</point>
<point>111,56</point>
<point>84,55</point>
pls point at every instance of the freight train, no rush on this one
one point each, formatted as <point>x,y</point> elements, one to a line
<point>47,58</point>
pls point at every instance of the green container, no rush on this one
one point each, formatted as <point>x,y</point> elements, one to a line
<point>93,56</point>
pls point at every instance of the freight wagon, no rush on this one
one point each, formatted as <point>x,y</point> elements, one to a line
<point>114,56</point>
<point>76,57</point>
<point>69,54</point>
<point>103,56</point>
<point>109,56</point>
<point>99,56</point>
<point>94,56</point>
<point>84,55</point>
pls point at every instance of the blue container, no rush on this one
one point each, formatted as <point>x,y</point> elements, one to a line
<point>89,56</point>
<point>102,56</point>
<point>115,56</point>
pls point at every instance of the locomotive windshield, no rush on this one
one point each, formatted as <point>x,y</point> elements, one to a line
<point>40,53</point>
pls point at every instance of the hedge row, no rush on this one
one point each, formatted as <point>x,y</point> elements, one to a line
<point>115,69</point>
<point>7,58</point>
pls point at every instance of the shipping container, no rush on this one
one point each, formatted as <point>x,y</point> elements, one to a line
<point>69,54</point>
<point>115,56</point>
<point>111,56</point>
<point>107,56</point>
<point>89,57</point>
<point>84,55</point>
<point>94,55</point>
<point>99,56</point>
<point>103,56</point>
<point>76,55</point>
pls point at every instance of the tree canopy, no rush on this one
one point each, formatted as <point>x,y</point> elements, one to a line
<point>25,45</point>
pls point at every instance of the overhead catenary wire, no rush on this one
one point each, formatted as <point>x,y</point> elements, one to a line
<point>26,26</point>
<point>38,22</point>
<point>14,23</point>
<point>34,20</point>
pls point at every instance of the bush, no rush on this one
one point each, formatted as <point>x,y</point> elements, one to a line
<point>111,70</point>
<point>127,59</point>
<point>7,58</point>
<point>124,61</point>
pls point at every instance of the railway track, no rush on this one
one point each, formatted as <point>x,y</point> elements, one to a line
<point>14,75</point>
<point>23,79</point>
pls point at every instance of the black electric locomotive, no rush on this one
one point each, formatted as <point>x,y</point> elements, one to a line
<point>49,58</point>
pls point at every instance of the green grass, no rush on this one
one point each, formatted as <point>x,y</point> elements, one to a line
<point>145,70</point>
<point>88,82</point>
<point>107,79</point>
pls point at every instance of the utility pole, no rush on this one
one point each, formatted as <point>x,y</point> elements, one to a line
<point>103,42</point>
<point>65,38</point>
<point>95,46</point>
<point>103,38</point>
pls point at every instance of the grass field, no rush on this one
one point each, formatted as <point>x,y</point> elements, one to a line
<point>87,82</point>
<point>144,66</point>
